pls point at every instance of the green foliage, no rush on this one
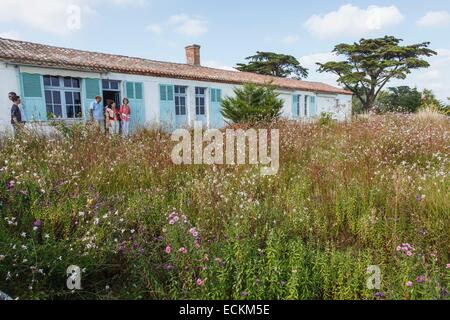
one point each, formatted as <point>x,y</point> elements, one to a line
<point>371,63</point>
<point>326,118</point>
<point>399,99</point>
<point>273,64</point>
<point>252,103</point>
<point>430,101</point>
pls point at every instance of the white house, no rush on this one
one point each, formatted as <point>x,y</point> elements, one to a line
<point>60,83</point>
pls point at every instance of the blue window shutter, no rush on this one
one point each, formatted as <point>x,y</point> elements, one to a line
<point>294,106</point>
<point>215,114</point>
<point>162,92</point>
<point>32,85</point>
<point>92,87</point>
<point>32,97</point>
<point>130,90</point>
<point>219,95</point>
<point>313,106</point>
<point>138,86</point>
<point>167,115</point>
<point>170,93</point>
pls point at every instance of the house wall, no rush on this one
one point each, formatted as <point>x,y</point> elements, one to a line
<point>10,81</point>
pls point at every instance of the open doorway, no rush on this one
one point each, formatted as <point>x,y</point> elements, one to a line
<point>111,93</point>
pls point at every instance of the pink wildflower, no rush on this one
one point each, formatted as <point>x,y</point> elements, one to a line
<point>168,250</point>
<point>200,282</point>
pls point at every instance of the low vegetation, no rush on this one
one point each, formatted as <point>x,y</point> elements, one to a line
<point>374,191</point>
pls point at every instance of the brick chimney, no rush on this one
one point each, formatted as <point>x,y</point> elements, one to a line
<point>193,55</point>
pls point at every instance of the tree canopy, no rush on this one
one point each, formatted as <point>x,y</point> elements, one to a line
<point>371,63</point>
<point>274,64</point>
<point>399,99</point>
<point>252,103</point>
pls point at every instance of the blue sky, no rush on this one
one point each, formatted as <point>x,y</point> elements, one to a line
<point>231,30</point>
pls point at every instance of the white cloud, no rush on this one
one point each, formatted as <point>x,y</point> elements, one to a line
<point>187,25</point>
<point>54,16</point>
<point>291,39</point>
<point>182,24</point>
<point>434,19</point>
<point>217,65</point>
<point>350,20</point>
<point>11,34</point>
<point>155,28</point>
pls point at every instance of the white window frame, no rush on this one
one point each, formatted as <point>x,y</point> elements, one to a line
<point>179,107</point>
<point>62,92</point>
<point>198,106</point>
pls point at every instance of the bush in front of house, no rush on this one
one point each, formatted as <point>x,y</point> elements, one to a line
<point>252,103</point>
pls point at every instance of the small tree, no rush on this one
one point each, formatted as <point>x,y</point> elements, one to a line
<point>399,99</point>
<point>252,103</point>
<point>371,63</point>
<point>429,101</point>
<point>274,64</point>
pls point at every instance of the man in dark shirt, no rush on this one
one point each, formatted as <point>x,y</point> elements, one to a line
<point>16,115</point>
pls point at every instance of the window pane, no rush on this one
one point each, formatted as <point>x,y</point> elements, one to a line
<point>70,113</point>
<point>47,81</point>
<point>49,108</point>
<point>56,97</point>
<point>69,98</point>
<point>177,89</point>
<point>183,110</point>
<point>67,82</point>
<point>105,84</point>
<point>78,112</point>
<point>114,85</point>
<point>57,110</point>
<point>55,82</point>
<point>183,101</point>
<point>77,98</point>
<point>48,97</point>
<point>75,83</point>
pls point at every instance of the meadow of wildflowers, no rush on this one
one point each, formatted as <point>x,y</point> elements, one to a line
<point>374,191</point>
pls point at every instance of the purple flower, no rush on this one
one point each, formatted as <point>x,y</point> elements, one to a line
<point>10,184</point>
<point>419,198</point>
<point>37,223</point>
<point>168,267</point>
<point>409,284</point>
<point>421,279</point>
<point>244,294</point>
<point>380,295</point>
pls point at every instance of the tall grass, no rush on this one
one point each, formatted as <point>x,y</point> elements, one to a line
<point>371,192</point>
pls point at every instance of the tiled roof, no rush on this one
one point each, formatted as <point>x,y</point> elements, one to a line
<point>20,52</point>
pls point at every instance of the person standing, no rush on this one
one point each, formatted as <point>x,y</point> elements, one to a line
<point>125,113</point>
<point>112,115</point>
<point>16,115</point>
<point>97,113</point>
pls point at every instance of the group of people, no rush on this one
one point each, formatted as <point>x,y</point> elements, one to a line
<point>115,120</point>
<point>112,118</point>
